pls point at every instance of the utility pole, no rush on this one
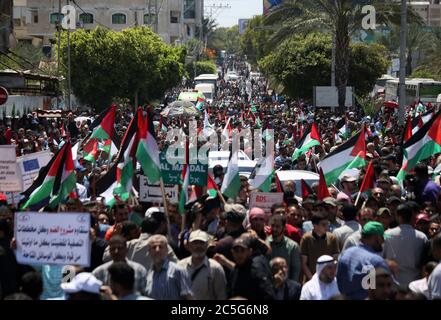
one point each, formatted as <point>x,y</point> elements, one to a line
<point>333,62</point>
<point>402,83</point>
<point>59,45</point>
<point>68,67</point>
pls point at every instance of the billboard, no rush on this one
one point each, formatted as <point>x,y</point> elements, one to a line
<point>243,23</point>
<point>268,4</point>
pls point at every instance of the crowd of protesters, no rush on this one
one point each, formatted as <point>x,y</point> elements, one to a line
<point>305,249</point>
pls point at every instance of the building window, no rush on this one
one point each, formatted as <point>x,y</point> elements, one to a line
<point>149,18</point>
<point>174,16</point>
<point>119,18</point>
<point>86,18</point>
<point>56,17</point>
<point>190,9</point>
<point>34,16</point>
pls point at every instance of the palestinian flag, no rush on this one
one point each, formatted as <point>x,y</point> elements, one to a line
<point>342,128</point>
<point>185,179</point>
<point>90,150</point>
<point>322,190</point>
<point>279,184</point>
<point>200,104</point>
<point>54,182</point>
<point>212,187</point>
<point>407,134</point>
<point>262,175</point>
<point>106,146</point>
<point>369,178</point>
<point>208,128</point>
<point>306,189</point>
<point>351,154</point>
<point>147,152</point>
<point>118,181</point>
<point>310,138</point>
<point>419,121</point>
<point>105,129</point>
<point>231,183</point>
<point>227,133</point>
<point>422,145</point>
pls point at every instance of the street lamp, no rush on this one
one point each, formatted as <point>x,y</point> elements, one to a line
<point>402,82</point>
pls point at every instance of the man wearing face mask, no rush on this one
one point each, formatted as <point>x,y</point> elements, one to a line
<point>206,275</point>
<point>356,264</point>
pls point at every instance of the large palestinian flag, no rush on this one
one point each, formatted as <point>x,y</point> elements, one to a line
<point>104,130</point>
<point>231,183</point>
<point>118,181</point>
<point>54,182</point>
<point>422,145</point>
<point>263,174</point>
<point>351,154</point>
<point>310,138</point>
<point>147,152</point>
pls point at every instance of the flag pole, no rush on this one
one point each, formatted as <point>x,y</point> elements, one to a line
<point>358,198</point>
<point>164,200</point>
<point>221,197</point>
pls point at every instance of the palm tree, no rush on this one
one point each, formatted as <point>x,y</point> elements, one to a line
<point>432,60</point>
<point>340,17</point>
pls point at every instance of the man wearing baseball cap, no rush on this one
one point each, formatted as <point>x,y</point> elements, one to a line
<point>356,263</point>
<point>234,215</point>
<point>207,276</point>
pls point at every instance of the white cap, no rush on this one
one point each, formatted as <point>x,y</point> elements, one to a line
<point>84,281</point>
<point>199,235</point>
<point>152,210</point>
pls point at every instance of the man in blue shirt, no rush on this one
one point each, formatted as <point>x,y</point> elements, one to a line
<point>427,190</point>
<point>357,264</point>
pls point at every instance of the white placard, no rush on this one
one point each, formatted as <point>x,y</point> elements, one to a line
<point>265,200</point>
<point>10,178</point>
<point>152,192</point>
<point>52,238</point>
<point>29,165</point>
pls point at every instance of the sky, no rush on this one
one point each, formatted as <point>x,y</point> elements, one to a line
<point>240,9</point>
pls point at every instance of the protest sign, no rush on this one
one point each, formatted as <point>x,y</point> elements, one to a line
<point>29,165</point>
<point>172,171</point>
<point>265,200</point>
<point>10,179</point>
<point>52,238</point>
<point>152,192</point>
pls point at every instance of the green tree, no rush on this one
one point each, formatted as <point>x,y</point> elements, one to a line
<point>108,64</point>
<point>254,42</point>
<point>340,17</point>
<point>227,39</point>
<point>202,67</point>
<point>431,64</point>
<point>300,63</point>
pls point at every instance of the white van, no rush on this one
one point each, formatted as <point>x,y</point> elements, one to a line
<point>207,89</point>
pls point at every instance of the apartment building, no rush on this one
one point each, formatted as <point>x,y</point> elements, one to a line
<point>430,11</point>
<point>175,21</point>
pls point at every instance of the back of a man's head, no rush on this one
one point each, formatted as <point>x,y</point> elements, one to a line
<point>405,213</point>
<point>349,212</point>
<point>122,274</point>
<point>32,285</point>
<point>152,222</point>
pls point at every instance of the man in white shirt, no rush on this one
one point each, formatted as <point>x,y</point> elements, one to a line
<point>434,283</point>
<point>323,284</point>
<point>422,285</point>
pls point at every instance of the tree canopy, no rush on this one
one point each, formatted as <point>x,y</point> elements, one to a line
<point>300,63</point>
<point>108,64</point>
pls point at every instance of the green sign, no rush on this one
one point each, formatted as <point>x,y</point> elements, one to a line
<point>172,170</point>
